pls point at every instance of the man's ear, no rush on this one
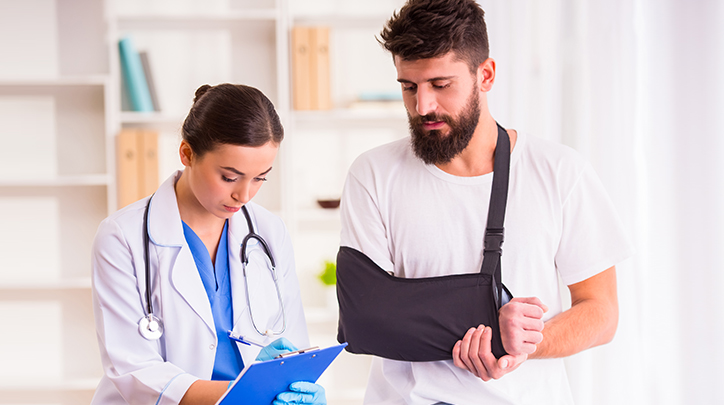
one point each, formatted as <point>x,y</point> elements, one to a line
<point>486,75</point>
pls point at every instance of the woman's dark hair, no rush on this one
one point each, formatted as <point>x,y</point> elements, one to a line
<point>424,29</point>
<point>230,114</point>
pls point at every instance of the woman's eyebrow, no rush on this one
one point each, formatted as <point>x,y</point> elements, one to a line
<point>231,169</point>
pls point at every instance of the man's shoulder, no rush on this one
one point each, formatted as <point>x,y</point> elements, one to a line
<point>383,157</point>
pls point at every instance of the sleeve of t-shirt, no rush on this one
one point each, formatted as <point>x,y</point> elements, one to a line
<point>593,237</point>
<point>363,228</point>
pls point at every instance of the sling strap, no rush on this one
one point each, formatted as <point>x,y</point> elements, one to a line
<point>495,231</point>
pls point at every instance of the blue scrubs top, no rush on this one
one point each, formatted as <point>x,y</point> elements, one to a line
<point>228,363</point>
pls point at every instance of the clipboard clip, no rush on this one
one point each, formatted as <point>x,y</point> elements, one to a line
<point>300,351</point>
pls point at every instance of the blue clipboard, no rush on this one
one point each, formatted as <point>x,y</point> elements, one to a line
<point>259,383</point>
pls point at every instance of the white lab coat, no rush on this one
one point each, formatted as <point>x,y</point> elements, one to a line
<point>141,371</point>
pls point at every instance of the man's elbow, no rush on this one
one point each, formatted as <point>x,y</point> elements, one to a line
<point>609,327</point>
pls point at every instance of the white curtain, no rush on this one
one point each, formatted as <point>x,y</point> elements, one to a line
<point>637,86</point>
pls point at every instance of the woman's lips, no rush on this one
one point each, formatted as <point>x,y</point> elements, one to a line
<point>232,209</point>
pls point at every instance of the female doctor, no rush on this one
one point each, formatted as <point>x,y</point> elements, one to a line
<point>195,234</point>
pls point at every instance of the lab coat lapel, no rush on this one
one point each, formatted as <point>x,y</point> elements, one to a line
<point>166,233</point>
<point>238,229</point>
<point>265,303</point>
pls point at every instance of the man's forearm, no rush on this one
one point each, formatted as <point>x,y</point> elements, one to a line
<point>591,320</point>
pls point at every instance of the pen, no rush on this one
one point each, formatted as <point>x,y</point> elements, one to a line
<point>242,339</point>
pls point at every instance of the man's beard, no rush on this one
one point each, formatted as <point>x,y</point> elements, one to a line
<point>432,146</point>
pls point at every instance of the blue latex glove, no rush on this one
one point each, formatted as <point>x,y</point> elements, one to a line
<point>275,348</point>
<point>302,392</point>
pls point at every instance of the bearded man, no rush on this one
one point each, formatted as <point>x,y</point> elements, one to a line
<point>418,209</point>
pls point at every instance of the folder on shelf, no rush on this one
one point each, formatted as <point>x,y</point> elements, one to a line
<point>301,65</point>
<point>127,162</point>
<point>319,70</point>
<point>137,164</point>
<point>259,383</point>
<point>148,162</point>
<point>135,79</point>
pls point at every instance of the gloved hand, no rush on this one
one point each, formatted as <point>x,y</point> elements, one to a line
<point>275,348</point>
<point>302,392</point>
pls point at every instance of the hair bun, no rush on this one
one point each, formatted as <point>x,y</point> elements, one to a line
<point>200,92</point>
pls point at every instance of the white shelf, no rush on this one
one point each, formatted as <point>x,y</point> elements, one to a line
<point>131,117</point>
<point>60,181</point>
<point>343,20</point>
<point>80,283</point>
<point>318,214</point>
<point>186,21</point>
<point>350,114</point>
<point>79,384</point>
<point>68,81</point>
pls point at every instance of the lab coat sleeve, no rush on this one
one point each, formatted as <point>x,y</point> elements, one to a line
<point>134,365</point>
<point>362,220</point>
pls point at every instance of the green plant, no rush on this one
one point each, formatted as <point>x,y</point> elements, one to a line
<point>328,275</point>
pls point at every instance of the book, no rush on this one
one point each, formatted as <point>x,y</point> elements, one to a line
<point>135,80</point>
<point>301,65</point>
<point>319,68</point>
<point>149,79</point>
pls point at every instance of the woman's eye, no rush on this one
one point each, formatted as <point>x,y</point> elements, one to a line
<point>228,180</point>
<point>260,178</point>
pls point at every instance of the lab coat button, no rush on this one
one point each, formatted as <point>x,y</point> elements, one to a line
<point>212,346</point>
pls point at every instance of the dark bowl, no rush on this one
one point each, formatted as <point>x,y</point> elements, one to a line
<point>328,203</point>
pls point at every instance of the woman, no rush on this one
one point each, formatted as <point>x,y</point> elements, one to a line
<point>178,349</point>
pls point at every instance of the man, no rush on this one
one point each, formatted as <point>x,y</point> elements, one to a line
<point>418,208</point>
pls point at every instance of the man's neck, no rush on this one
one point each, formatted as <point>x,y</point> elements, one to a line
<point>478,157</point>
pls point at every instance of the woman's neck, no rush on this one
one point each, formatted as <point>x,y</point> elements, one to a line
<point>193,213</point>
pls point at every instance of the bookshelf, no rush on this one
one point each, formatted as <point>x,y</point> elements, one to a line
<point>64,105</point>
<point>54,189</point>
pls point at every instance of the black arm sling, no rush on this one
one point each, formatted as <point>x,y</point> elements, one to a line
<point>421,319</point>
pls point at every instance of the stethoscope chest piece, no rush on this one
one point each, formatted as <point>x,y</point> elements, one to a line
<point>150,327</point>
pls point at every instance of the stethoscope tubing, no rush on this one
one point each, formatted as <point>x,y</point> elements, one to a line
<point>151,327</point>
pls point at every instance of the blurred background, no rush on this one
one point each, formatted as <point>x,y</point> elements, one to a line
<point>634,85</point>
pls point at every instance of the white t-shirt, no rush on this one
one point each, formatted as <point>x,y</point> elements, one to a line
<point>417,221</point>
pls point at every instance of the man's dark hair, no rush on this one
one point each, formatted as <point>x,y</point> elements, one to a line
<point>424,29</point>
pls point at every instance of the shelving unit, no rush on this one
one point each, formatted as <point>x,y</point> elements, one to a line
<point>54,200</point>
<point>54,190</point>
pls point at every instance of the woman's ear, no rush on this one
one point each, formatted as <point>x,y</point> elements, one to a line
<point>486,75</point>
<point>185,153</point>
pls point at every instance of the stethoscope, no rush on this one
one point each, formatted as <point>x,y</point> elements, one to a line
<point>151,326</point>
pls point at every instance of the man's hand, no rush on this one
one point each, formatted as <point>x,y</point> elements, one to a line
<point>521,325</point>
<point>474,353</point>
